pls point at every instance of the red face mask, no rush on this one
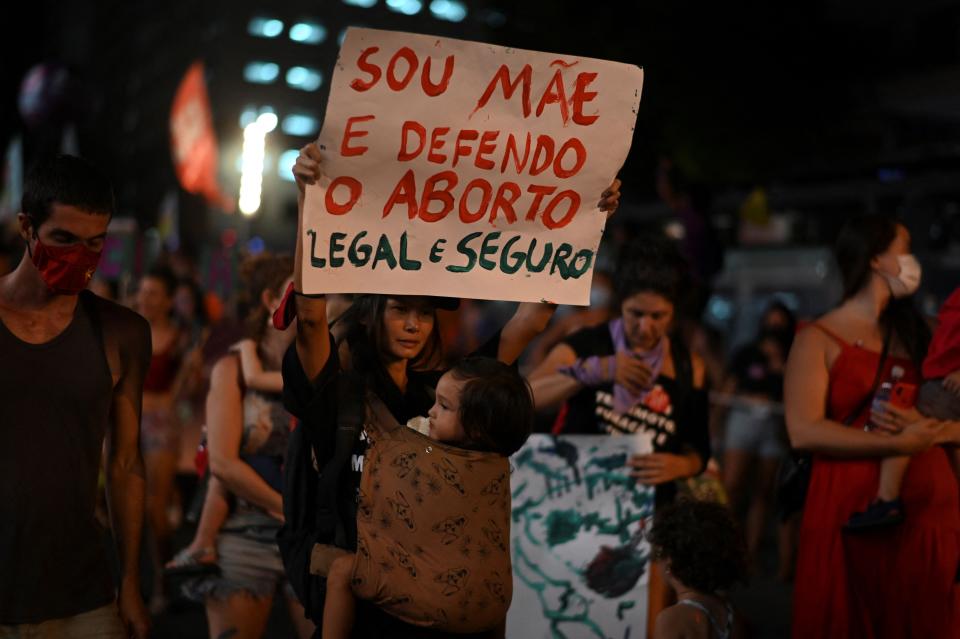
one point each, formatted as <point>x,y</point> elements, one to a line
<point>66,269</point>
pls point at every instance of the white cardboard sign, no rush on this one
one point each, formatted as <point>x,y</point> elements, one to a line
<point>464,169</point>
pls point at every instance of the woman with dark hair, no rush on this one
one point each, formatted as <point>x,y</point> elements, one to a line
<point>189,307</point>
<point>247,433</point>
<point>160,427</point>
<point>634,374</point>
<point>387,346</point>
<point>897,582</point>
<point>754,437</point>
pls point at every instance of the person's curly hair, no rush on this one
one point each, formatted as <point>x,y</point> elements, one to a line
<point>701,543</point>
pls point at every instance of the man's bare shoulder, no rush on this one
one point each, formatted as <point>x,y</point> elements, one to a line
<point>126,329</point>
<point>117,316</point>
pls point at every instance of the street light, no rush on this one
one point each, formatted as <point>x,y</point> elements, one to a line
<point>251,162</point>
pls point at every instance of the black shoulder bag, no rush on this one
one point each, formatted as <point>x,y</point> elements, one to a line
<point>794,475</point>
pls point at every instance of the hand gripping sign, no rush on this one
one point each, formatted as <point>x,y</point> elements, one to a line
<point>464,169</point>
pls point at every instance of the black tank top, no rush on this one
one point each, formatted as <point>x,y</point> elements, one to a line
<point>54,406</point>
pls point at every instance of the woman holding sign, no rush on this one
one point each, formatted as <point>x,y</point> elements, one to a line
<point>391,344</point>
<point>634,375</point>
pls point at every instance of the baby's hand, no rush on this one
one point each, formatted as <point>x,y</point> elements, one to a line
<point>952,382</point>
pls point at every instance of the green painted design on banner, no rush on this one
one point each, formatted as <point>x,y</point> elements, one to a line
<point>359,254</point>
<point>384,254</point>
<point>464,248</point>
<point>505,255</point>
<point>336,247</point>
<point>406,263</point>
<point>486,250</point>
<point>436,251</point>
<point>551,468</point>
<point>315,262</point>
<point>574,607</point>
<point>623,607</point>
<point>547,254</point>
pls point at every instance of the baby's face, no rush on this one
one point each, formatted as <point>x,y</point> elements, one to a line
<point>445,415</point>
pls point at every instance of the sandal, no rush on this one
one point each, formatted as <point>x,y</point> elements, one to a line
<point>879,514</point>
<point>199,562</point>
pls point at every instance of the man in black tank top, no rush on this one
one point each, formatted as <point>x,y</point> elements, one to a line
<point>71,373</point>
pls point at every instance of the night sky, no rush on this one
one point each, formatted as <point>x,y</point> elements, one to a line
<point>737,93</point>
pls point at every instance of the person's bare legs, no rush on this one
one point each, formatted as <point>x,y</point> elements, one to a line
<point>161,467</point>
<point>303,626</point>
<point>214,513</point>
<point>239,616</point>
<point>758,510</point>
<point>339,606</point>
<point>736,467</point>
<point>892,470</point>
<point>735,472</point>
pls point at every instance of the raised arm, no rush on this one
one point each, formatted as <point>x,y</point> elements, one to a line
<point>550,387</point>
<point>313,336</point>
<point>129,350</point>
<point>224,433</point>
<point>806,387</point>
<point>532,318</point>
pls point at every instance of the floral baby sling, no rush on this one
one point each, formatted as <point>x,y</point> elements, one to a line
<point>433,529</point>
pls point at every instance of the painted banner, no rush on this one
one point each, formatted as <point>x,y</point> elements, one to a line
<point>580,560</point>
<point>464,169</point>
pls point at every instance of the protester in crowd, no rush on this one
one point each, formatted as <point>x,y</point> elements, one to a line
<point>481,405</point>
<point>200,555</point>
<point>755,439</point>
<point>701,554</point>
<point>633,374</point>
<point>72,373</point>
<point>189,308</point>
<point>170,366</point>
<point>190,314</point>
<point>898,582</point>
<point>248,432</point>
<point>393,346</point>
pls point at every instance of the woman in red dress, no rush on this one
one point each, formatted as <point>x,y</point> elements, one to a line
<point>898,581</point>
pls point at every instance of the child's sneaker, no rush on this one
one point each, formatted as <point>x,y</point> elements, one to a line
<point>879,514</point>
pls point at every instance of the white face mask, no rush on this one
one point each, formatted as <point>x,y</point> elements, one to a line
<point>907,281</point>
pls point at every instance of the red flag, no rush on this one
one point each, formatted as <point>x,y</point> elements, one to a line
<point>193,141</point>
